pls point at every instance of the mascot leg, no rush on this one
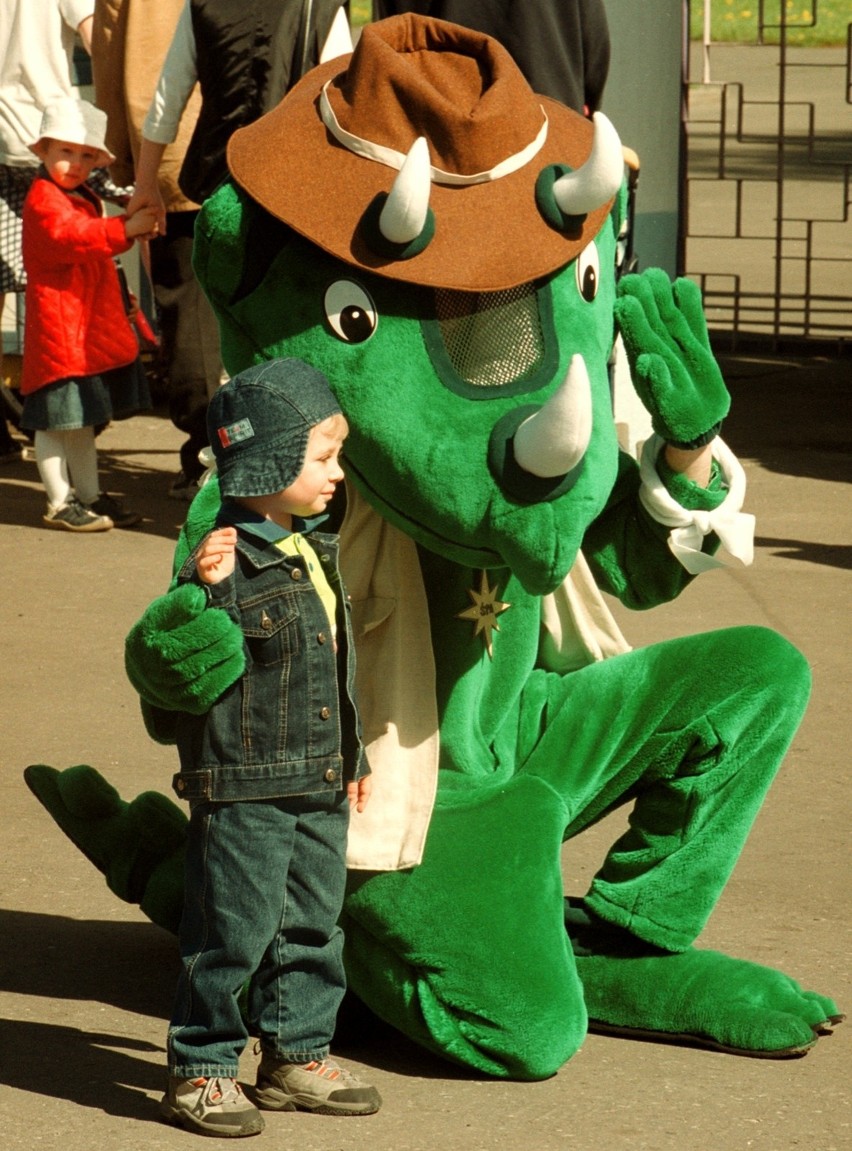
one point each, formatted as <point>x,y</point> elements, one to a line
<point>467,953</point>
<point>138,846</point>
<point>696,749</point>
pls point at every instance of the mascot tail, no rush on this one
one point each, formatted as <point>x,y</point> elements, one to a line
<point>138,846</point>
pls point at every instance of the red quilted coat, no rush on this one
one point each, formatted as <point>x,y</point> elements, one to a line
<point>76,324</point>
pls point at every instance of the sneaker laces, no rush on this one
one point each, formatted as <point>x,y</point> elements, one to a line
<point>325,1069</point>
<point>218,1091</point>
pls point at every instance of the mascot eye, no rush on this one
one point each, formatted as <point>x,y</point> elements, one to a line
<point>588,272</point>
<point>350,311</point>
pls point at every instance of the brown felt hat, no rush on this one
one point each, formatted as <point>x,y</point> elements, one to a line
<point>334,145</point>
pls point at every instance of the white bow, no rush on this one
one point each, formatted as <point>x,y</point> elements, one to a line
<point>734,527</point>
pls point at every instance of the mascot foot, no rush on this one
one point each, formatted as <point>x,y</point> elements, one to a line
<point>705,999</point>
<point>138,846</point>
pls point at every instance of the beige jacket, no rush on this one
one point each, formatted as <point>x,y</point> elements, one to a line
<point>130,39</point>
<point>395,677</point>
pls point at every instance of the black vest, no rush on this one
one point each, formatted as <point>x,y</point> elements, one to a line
<point>561,46</point>
<point>249,53</point>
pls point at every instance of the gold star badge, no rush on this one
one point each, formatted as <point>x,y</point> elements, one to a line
<point>484,611</point>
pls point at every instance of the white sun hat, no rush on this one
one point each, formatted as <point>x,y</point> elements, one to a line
<point>75,121</point>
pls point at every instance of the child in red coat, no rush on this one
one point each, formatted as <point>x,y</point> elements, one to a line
<point>80,364</point>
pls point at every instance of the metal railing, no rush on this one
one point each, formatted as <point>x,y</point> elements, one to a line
<point>766,223</point>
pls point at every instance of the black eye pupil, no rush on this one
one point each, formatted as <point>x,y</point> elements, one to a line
<point>355,324</point>
<point>590,284</point>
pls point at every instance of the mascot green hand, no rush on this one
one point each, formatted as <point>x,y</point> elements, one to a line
<point>440,243</point>
<point>671,363</point>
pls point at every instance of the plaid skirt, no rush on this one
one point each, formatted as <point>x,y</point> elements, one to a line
<point>14,185</point>
<point>87,401</point>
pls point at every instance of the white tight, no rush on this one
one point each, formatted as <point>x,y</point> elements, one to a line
<point>68,464</point>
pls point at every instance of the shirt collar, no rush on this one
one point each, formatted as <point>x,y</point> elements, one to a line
<point>232,514</point>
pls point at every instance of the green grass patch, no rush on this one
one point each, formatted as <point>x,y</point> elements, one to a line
<point>809,23</point>
<point>360,12</point>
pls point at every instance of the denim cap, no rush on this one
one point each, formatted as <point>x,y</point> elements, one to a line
<point>259,423</point>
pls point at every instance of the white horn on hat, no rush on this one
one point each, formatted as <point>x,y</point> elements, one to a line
<point>403,216</point>
<point>599,178</point>
<point>553,440</point>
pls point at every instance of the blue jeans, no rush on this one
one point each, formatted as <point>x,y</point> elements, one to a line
<point>263,891</point>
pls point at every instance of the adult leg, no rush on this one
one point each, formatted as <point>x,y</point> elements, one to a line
<point>14,184</point>
<point>190,343</point>
<point>8,448</point>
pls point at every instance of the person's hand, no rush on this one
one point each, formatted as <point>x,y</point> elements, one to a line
<point>141,224</point>
<point>146,192</point>
<point>217,556</point>
<point>358,792</point>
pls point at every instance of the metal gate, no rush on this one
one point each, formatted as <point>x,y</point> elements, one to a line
<point>768,189</point>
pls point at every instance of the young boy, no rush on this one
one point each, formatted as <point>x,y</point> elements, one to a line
<point>270,772</point>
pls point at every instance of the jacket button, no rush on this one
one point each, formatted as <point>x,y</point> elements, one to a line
<point>331,775</point>
<point>325,713</point>
<point>296,573</point>
<point>321,637</point>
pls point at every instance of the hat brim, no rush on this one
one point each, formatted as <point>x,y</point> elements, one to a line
<point>104,160</point>
<point>488,237</point>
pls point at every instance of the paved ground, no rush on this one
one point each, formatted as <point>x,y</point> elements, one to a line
<point>86,982</point>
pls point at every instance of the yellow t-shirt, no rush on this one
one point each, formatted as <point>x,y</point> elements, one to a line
<point>295,544</point>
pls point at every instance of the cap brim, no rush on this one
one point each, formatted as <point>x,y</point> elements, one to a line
<point>105,158</point>
<point>488,236</point>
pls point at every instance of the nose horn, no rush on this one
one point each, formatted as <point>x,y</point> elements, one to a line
<point>554,440</point>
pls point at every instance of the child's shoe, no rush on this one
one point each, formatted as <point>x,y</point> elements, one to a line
<point>210,1107</point>
<point>73,517</point>
<point>107,505</point>
<point>322,1087</point>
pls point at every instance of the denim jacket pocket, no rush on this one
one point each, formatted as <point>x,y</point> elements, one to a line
<point>269,623</point>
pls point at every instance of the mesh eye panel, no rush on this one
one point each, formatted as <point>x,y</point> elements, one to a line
<point>491,338</point>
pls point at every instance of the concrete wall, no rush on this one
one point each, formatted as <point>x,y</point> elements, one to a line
<point>643,98</point>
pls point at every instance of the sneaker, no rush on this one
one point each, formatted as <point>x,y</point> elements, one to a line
<point>107,505</point>
<point>183,488</point>
<point>210,1107</point>
<point>320,1086</point>
<point>73,517</point>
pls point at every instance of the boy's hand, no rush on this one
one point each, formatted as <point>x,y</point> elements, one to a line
<point>217,556</point>
<point>358,792</point>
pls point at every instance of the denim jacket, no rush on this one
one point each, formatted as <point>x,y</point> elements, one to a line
<point>289,725</point>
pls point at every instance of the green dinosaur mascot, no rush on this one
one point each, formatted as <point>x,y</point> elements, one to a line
<point>440,242</point>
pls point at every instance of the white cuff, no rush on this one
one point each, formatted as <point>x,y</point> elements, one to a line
<point>734,527</point>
